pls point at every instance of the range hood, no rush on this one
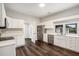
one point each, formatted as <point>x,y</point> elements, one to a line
<point>3,24</point>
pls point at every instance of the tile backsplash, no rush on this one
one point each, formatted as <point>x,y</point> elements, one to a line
<point>7,33</point>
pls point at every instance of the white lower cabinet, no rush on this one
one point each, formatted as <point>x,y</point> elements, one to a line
<point>59,41</point>
<point>8,50</point>
<point>56,40</point>
<point>68,42</point>
<point>77,44</point>
<point>45,38</point>
<point>62,42</point>
<point>73,43</point>
<point>20,41</point>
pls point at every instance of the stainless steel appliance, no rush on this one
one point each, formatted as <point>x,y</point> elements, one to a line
<point>50,39</point>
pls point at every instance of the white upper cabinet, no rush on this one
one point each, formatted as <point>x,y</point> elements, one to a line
<point>11,23</point>
<point>48,24</point>
<point>2,15</point>
<point>3,11</point>
<point>0,11</point>
<point>14,23</point>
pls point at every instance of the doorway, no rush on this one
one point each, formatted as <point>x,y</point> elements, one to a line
<point>40,32</point>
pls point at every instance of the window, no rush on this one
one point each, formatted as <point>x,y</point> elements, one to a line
<point>59,29</point>
<point>71,28</point>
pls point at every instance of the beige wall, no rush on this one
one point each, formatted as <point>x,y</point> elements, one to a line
<point>48,21</point>
<point>62,14</point>
<point>32,21</point>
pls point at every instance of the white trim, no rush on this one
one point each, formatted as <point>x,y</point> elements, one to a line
<point>66,18</point>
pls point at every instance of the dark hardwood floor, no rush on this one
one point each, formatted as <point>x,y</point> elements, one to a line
<point>43,49</point>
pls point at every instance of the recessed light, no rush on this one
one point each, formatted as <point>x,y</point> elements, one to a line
<point>41,5</point>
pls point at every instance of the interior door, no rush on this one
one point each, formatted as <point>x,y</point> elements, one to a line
<point>26,30</point>
<point>40,32</point>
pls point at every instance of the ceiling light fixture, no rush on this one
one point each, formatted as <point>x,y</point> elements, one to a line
<point>41,5</point>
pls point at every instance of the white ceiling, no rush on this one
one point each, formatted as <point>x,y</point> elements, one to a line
<point>33,9</point>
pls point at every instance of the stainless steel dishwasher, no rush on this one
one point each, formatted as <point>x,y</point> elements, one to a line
<point>50,39</point>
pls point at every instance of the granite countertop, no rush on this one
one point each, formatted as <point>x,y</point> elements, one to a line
<point>70,35</point>
<point>73,35</point>
<point>5,41</point>
<point>6,38</point>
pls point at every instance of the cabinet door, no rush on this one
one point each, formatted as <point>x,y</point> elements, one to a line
<point>20,41</point>
<point>8,50</point>
<point>10,23</point>
<point>20,23</point>
<point>77,44</point>
<point>45,38</point>
<point>14,23</point>
<point>62,41</point>
<point>0,14</point>
<point>73,43</point>
<point>56,40</point>
<point>0,10</point>
<point>70,43</point>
